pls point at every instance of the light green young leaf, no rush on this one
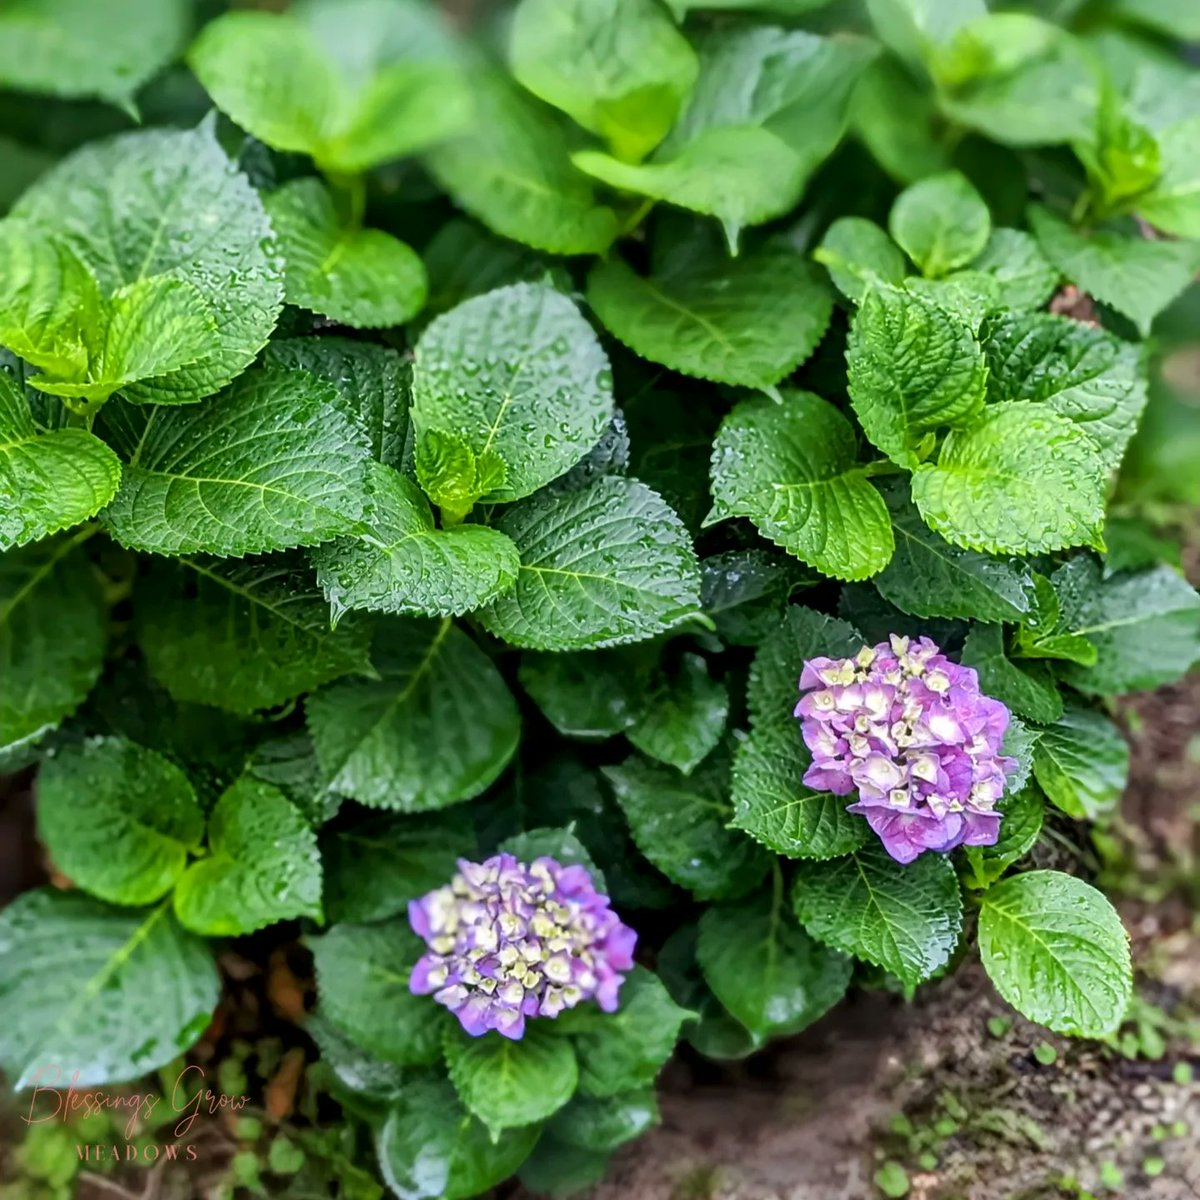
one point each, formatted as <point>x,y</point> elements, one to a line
<point>48,480</point>
<point>601,1125</point>
<point>52,636</point>
<point>859,256</point>
<point>782,8</point>
<point>912,367</point>
<point>363,278</point>
<point>513,172</point>
<point>452,475</point>
<point>540,405</point>
<point>913,27</point>
<point>765,970</point>
<point>748,321</point>
<point>119,820</point>
<point>59,951</point>
<point>941,223</point>
<point>431,1148</point>
<point>1057,952</point>
<point>1173,204</point>
<point>1138,278</point>
<point>1083,372</point>
<point>270,463</point>
<point>621,1051</point>
<point>374,382</point>
<point>262,865</point>
<point>792,469</point>
<point>1024,277</point>
<point>680,823</point>
<point>906,919</point>
<point>1022,480</point>
<point>599,567</point>
<point>1028,690</point>
<point>1022,813</point>
<point>242,634</point>
<point>1017,80</point>
<point>362,982</point>
<point>928,577</point>
<point>1082,763</point>
<point>436,727</point>
<point>619,68</point>
<point>768,107</point>
<point>684,716</point>
<point>400,562</point>
<point>79,48</point>
<point>353,83</point>
<point>508,1083</point>
<point>1144,627</point>
<point>130,208</point>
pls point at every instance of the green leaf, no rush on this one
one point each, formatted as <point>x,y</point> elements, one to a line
<point>912,27</point>
<point>436,727</point>
<point>374,383</point>
<point>1020,741</point>
<point>1173,204</point>
<point>744,593</point>
<point>354,84</point>
<point>905,919</point>
<point>242,634</point>
<point>289,763</point>
<point>453,476</point>
<point>60,952</point>
<point>621,1051</point>
<point>767,972</point>
<point>1082,763</point>
<point>352,1066</point>
<point>681,824</point>
<point>512,172</point>
<point>772,804</point>
<point>540,406</point>
<point>748,321</point>
<point>130,841</point>
<point>1028,690</point>
<point>375,867</point>
<point>1138,278</point>
<point>270,463</point>
<point>262,865</point>
<point>792,469</point>
<point>1022,815</point>
<point>782,8</point>
<point>402,563</point>
<point>768,107</point>
<point>592,695</point>
<point>558,1169</point>
<point>362,981</point>
<point>603,1124</point>
<point>48,480</point>
<point>130,209</point>
<point>599,567</point>
<point>1017,80</point>
<point>619,68</point>
<point>557,843</point>
<point>1025,278</point>
<point>508,1083</point>
<point>1080,371</point>
<point>363,278</point>
<point>941,223</point>
<point>928,577</point>
<point>52,636</point>
<point>1022,480</point>
<point>1057,952</point>
<point>912,367</point>
<point>1173,18</point>
<point>431,1148</point>
<point>684,716</point>
<point>76,48</point>
<point>1145,627</point>
<point>859,256</point>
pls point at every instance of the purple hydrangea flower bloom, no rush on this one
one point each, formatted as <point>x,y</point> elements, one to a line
<point>509,941</point>
<point>910,732</point>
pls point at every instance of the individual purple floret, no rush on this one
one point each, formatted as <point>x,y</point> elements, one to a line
<point>509,941</point>
<point>911,733</point>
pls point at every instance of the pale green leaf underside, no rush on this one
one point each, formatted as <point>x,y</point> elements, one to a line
<point>84,987</point>
<point>792,469</point>
<point>1056,950</point>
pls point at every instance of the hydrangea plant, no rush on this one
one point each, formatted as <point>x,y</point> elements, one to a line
<point>685,460</point>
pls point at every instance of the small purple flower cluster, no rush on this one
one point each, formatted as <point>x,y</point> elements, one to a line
<point>508,941</point>
<point>910,732</point>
